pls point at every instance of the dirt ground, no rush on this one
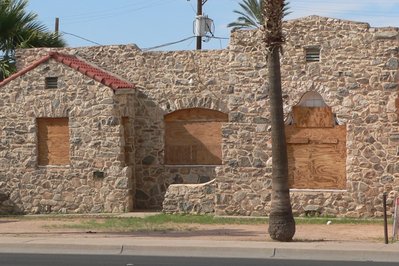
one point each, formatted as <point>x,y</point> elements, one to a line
<point>304,232</point>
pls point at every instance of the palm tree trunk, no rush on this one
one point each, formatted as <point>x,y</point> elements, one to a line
<point>281,221</point>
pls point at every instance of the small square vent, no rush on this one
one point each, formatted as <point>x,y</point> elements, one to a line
<point>51,82</point>
<point>312,54</point>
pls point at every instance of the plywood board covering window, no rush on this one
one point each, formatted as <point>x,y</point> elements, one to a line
<point>316,157</point>
<point>53,141</point>
<point>193,137</point>
<point>316,146</point>
<point>308,117</point>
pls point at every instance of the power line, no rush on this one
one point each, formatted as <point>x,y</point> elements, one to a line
<point>183,40</point>
<point>112,13</point>
<point>192,7</point>
<point>77,36</point>
<point>219,38</point>
<point>167,44</point>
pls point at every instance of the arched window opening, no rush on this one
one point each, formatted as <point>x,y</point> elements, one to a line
<point>312,112</point>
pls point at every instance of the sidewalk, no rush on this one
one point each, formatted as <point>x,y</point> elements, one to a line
<point>207,243</point>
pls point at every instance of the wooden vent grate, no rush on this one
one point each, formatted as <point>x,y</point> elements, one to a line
<point>51,82</point>
<point>312,54</point>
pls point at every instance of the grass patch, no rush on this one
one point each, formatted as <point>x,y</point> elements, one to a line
<point>203,219</point>
<point>167,222</point>
<point>125,225</point>
<point>324,220</point>
<point>156,223</point>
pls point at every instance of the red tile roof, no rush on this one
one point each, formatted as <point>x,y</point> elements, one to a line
<point>72,61</point>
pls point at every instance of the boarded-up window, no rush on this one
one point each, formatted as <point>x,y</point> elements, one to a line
<point>307,117</point>
<point>193,137</point>
<point>316,146</point>
<point>316,157</point>
<point>53,141</point>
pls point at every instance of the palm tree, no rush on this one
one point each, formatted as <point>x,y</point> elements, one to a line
<point>281,221</point>
<point>20,29</point>
<point>252,16</point>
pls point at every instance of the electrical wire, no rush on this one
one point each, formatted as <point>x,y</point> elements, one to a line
<point>219,38</point>
<point>77,36</point>
<point>111,13</point>
<point>192,7</point>
<point>167,44</point>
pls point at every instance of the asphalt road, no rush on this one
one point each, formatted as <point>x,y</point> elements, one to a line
<point>11,259</point>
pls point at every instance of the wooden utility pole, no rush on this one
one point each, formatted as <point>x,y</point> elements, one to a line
<point>199,13</point>
<point>57,25</point>
<point>200,3</point>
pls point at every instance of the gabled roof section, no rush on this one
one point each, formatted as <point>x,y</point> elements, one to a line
<point>83,67</point>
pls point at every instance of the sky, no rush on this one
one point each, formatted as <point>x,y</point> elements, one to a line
<point>153,23</point>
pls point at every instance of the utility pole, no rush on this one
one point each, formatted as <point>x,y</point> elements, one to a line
<point>199,13</point>
<point>200,3</point>
<point>57,25</point>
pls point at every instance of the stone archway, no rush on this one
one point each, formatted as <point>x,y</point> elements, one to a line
<point>316,146</point>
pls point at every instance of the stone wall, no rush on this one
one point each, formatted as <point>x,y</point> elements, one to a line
<point>190,198</point>
<point>94,114</point>
<point>357,76</point>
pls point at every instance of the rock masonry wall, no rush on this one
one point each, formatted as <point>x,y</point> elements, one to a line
<point>190,198</point>
<point>357,76</point>
<point>95,131</point>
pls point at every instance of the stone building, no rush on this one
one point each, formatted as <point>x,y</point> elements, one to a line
<point>190,132</point>
<point>62,122</point>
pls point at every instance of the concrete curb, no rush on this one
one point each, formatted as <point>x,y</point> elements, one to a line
<point>342,255</point>
<point>201,248</point>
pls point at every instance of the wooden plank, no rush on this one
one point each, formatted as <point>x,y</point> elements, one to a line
<point>196,133</point>
<point>298,164</point>
<point>297,140</point>
<point>329,141</point>
<point>53,141</point>
<point>319,135</point>
<point>312,116</point>
<point>193,143</point>
<point>176,154</point>
<point>316,167</point>
<point>197,114</point>
<point>320,164</point>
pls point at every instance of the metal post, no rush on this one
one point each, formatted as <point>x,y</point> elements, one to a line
<point>384,203</point>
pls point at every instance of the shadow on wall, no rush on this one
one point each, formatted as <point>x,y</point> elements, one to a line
<point>193,137</point>
<point>7,206</point>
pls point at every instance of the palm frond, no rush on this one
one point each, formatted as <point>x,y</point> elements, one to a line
<point>252,16</point>
<point>273,12</point>
<point>20,29</point>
